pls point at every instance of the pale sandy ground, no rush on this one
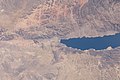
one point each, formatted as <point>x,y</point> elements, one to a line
<point>30,31</point>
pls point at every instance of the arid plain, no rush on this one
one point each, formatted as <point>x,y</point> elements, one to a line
<point>30,34</point>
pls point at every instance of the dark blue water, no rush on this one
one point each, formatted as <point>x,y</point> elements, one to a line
<point>97,43</point>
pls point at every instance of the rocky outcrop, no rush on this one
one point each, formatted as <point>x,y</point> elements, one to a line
<point>30,33</point>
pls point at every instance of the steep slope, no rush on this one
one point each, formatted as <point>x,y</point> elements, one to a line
<point>30,31</point>
<point>75,18</point>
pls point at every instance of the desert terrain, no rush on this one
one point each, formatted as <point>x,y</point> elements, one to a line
<point>30,34</point>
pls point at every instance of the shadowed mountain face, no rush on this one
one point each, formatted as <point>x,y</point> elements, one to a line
<point>30,31</point>
<point>98,16</point>
<point>66,18</point>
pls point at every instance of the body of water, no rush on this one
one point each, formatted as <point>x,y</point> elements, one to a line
<point>97,43</point>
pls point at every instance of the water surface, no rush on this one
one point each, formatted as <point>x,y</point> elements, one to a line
<point>97,43</point>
